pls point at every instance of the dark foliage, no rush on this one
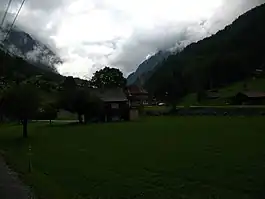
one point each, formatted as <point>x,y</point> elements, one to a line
<point>108,78</point>
<point>78,100</point>
<point>21,103</point>
<point>47,112</point>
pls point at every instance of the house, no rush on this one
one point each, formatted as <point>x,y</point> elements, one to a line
<point>249,98</point>
<point>137,96</point>
<point>116,105</point>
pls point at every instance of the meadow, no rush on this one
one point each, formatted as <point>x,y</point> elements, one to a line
<point>162,157</point>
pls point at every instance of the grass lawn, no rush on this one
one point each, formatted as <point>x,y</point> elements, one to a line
<point>163,157</point>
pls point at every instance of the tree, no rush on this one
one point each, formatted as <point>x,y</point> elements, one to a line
<point>69,83</point>
<point>48,112</point>
<point>108,78</point>
<point>3,86</point>
<point>74,101</point>
<point>21,102</point>
<point>81,102</point>
<point>95,109</point>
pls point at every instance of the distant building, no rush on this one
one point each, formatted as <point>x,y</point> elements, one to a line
<point>249,98</point>
<point>137,96</point>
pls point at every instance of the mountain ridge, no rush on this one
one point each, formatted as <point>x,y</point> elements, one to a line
<point>22,44</point>
<point>145,69</point>
<point>231,55</point>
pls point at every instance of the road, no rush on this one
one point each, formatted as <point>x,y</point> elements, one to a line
<point>57,121</point>
<point>10,186</point>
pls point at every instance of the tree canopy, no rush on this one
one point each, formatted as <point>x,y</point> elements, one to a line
<point>21,102</point>
<point>108,78</point>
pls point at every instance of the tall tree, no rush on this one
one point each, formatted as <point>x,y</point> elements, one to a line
<point>108,78</point>
<point>69,83</point>
<point>49,112</point>
<point>74,101</point>
<point>21,102</point>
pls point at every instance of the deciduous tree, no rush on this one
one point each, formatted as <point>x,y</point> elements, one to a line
<point>108,78</point>
<point>21,102</point>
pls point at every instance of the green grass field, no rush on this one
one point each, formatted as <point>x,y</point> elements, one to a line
<point>163,157</point>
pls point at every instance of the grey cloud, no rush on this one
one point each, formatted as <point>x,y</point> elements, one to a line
<point>166,37</point>
<point>31,21</point>
<point>230,10</point>
<point>108,43</point>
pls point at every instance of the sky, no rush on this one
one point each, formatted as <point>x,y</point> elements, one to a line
<point>91,34</point>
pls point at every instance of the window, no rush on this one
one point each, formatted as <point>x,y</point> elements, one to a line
<point>114,105</point>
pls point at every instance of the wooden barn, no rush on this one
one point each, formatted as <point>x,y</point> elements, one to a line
<point>116,107</point>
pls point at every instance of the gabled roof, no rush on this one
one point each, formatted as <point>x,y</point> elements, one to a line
<point>133,89</point>
<point>109,95</point>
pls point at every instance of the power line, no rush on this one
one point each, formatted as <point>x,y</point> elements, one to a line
<point>7,8</point>
<point>8,32</point>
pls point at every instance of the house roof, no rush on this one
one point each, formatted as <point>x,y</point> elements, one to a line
<point>254,94</point>
<point>136,90</point>
<point>109,95</point>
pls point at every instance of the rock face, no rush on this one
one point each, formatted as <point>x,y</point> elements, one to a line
<point>24,45</point>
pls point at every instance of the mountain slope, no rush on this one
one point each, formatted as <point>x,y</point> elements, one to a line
<point>229,56</point>
<point>13,68</point>
<point>24,45</point>
<point>145,69</point>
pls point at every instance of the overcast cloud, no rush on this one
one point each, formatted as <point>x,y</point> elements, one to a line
<point>89,34</point>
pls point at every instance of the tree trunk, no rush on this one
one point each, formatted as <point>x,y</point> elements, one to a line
<point>25,128</point>
<point>80,119</point>
<point>1,118</point>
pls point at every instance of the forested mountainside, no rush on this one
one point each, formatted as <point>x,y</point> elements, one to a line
<point>24,45</point>
<point>13,68</point>
<point>231,55</point>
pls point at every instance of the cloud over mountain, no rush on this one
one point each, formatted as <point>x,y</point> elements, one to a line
<point>89,34</point>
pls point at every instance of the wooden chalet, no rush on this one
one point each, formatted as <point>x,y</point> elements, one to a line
<point>116,105</point>
<point>137,96</point>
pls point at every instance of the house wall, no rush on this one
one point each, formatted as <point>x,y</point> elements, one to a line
<point>116,111</point>
<point>134,114</point>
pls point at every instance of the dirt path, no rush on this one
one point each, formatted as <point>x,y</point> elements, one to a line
<point>10,185</point>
